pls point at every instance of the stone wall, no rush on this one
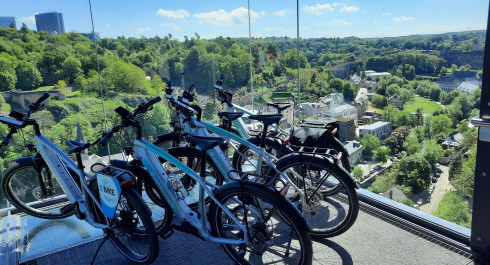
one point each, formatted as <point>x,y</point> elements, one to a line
<point>24,98</point>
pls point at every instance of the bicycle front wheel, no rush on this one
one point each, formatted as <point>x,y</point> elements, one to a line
<point>36,192</point>
<point>131,230</point>
<point>276,230</point>
<point>316,177</point>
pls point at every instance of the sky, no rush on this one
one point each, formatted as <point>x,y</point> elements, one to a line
<point>360,18</point>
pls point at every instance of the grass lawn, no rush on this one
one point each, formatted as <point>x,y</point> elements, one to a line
<point>43,88</point>
<point>73,94</point>
<point>426,105</point>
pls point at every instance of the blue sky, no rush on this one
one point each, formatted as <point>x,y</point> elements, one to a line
<point>362,18</point>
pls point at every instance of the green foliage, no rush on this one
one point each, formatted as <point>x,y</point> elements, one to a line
<point>72,68</point>
<point>396,139</point>
<point>383,183</point>
<point>414,171</point>
<point>28,77</point>
<point>369,144</point>
<point>357,172</point>
<point>125,77</point>
<point>381,154</point>
<point>431,152</point>
<point>412,145</point>
<point>441,123</point>
<point>454,209</point>
<point>379,101</point>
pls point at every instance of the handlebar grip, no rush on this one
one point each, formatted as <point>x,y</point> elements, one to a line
<point>6,139</point>
<point>229,104</point>
<point>42,98</point>
<point>105,139</point>
<point>153,101</point>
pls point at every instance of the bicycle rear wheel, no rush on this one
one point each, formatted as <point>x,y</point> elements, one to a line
<point>277,231</point>
<point>131,230</point>
<point>36,192</point>
<point>316,176</point>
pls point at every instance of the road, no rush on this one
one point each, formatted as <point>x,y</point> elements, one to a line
<point>442,186</point>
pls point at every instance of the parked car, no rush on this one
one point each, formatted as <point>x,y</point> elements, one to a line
<point>434,179</point>
<point>428,197</point>
<point>419,202</point>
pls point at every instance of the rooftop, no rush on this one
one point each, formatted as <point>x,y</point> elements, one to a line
<point>375,125</point>
<point>373,239</point>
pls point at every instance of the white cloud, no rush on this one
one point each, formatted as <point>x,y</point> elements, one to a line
<point>143,30</point>
<point>402,19</point>
<point>349,9</point>
<point>336,4</point>
<point>234,17</point>
<point>281,13</point>
<point>170,25</point>
<point>317,9</point>
<point>175,14</point>
<point>340,22</point>
<point>262,13</point>
<point>375,21</point>
<point>29,19</point>
<point>386,14</point>
<point>270,29</point>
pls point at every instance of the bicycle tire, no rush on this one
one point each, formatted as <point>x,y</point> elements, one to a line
<point>271,146</point>
<point>255,195</point>
<point>124,223</point>
<point>345,202</point>
<point>25,191</point>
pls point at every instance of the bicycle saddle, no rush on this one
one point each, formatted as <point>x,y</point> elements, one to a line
<point>230,116</point>
<point>267,119</point>
<point>205,142</point>
<point>279,106</point>
<point>76,147</point>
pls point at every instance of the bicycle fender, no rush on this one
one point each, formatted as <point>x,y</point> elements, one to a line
<point>337,145</point>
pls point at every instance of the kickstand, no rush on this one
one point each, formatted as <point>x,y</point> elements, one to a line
<point>106,236</point>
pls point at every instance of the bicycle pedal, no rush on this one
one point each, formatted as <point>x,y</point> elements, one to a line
<point>167,234</point>
<point>67,208</point>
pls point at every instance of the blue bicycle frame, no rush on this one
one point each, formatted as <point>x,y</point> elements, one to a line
<point>148,153</point>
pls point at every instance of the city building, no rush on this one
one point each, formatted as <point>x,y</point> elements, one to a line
<point>51,22</point>
<point>397,101</point>
<point>451,82</point>
<point>313,108</point>
<point>467,87</point>
<point>354,148</point>
<point>380,129</point>
<point>5,22</point>
<point>345,111</point>
<point>373,74</point>
<point>92,36</point>
<point>454,140</point>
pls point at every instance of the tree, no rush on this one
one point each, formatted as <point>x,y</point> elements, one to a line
<point>412,145</point>
<point>441,123</point>
<point>390,113</point>
<point>396,139</point>
<point>454,209</point>
<point>349,91</point>
<point>72,67</point>
<point>379,101</point>
<point>357,172</point>
<point>414,172</point>
<point>443,71</point>
<point>392,90</point>
<point>24,27</point>
<point>381,154</point>
<point>28,77</point>
<point>432,152</point>
<point>370,143</point>
<point>435,92</point>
